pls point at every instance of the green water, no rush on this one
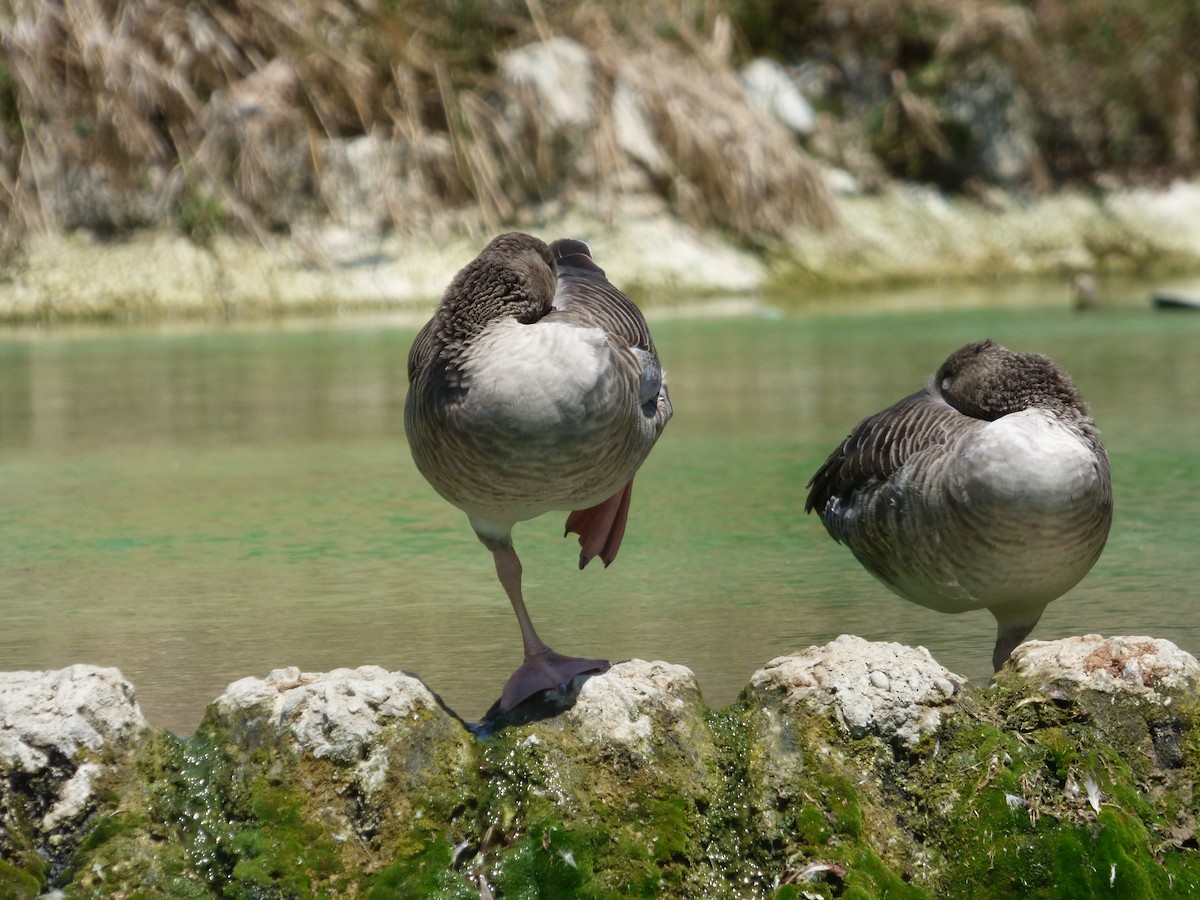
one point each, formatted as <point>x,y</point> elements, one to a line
<point>197,507</point>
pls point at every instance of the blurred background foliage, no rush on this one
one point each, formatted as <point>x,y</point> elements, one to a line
<point>220,115</point>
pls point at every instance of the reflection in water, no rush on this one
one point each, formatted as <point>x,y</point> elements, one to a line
<point>194,508</point>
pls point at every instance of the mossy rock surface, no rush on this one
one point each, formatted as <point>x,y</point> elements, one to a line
<point>851,770</point>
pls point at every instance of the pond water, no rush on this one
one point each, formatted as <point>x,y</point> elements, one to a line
<point>197,506</point>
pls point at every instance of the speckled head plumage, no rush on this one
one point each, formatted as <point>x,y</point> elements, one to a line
<point>514,275</point>
<point>987,381</point>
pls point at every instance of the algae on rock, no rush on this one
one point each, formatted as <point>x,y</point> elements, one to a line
<point>851,770</point>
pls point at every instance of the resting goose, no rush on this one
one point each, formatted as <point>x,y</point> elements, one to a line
<point>989,489</point>
<point>535,387</point>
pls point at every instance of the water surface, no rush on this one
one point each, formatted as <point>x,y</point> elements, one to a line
<point>197,507</point>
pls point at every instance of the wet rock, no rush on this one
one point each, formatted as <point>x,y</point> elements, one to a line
<point>607,796</point>
<point>853,769</point>
<point>62,733</point>
<point>637,716</point>
<point>362,758</point>
<point>885,689</point>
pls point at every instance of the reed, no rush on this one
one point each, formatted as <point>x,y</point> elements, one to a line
<point>213,115</point>
<point>218,114</point>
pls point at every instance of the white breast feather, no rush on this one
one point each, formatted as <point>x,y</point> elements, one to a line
<point>1029,457</point>
<point>536,372</point>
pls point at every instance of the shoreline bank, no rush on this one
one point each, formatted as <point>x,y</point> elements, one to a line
<point>905,235</point>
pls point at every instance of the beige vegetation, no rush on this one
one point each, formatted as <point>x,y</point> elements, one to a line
<point>232,158</point>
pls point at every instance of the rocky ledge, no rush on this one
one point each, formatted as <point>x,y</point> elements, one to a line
<point>854,769</point>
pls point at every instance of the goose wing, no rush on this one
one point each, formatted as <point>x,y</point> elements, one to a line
<point>878,447</point>
<point>586,298</point>
<point>422,353</point>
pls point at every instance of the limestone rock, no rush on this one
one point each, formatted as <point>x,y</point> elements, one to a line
<point>618,787</point>
<point>334,714</point>
<point>1141,666</point>
<point>61,733</point>
<point>559,73</point>
<point>658,252</point>
<point>66,715</point>
<point>635,129</point>
<point>885,689</point>
<point>821,780</point>
<point>638,720</point>
<point>637,706</point>
<point>773,92</point>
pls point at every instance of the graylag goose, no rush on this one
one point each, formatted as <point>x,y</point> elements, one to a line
<point>989,489</point>
<point>535,387</point>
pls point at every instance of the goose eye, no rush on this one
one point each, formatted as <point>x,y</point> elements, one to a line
<point>946,382</point>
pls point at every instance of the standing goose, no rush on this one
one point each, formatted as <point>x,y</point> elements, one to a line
<point>535,387</point>
<point>989,489</point>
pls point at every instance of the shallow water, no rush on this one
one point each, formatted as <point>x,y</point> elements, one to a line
<point>197,507</point>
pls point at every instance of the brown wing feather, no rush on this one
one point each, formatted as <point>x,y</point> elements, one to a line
<point>421,354</point>
<point>877,448</point>
<point>586,297</point>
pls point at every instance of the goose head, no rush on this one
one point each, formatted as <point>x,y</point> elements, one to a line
<point>987,381</point>
<point>514,276</point>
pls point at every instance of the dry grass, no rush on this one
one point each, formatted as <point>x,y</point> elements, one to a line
<point>123,113</point>
<point>219,114</point>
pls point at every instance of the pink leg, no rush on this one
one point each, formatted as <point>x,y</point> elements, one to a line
<point>601,527</point>
<point>543,669</point>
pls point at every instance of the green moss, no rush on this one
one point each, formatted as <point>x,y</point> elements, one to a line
<point>19,856</point>
<point>548,865</point>
<point>138,843</point>
<point>868,876</point>
<point>106,828</point>
<point>280,853</point>
<point>423,868</point>
<point>1012,810</point>
<point>19,884</point>
<point>557,817</point>
<point>1061,860</point>
<point>811,826</point>
<point>1002,803</point>
<point>845,808</point>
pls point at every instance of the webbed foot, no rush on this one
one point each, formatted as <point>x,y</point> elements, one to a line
<point>546,671</point>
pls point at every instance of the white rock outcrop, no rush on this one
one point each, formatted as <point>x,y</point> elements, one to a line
<point>1145,666</point>
<point>63,727</point>
<point>627,705</point>
<point>336,714</point>
<point>886,689</point>
<point>772,91</point>
<point>559,72</point>
<point>62,714</point>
